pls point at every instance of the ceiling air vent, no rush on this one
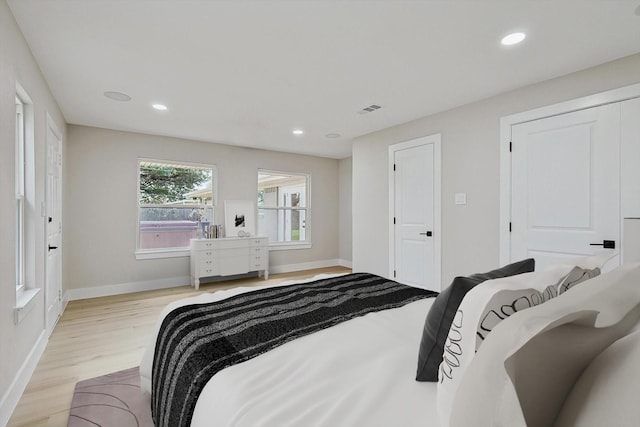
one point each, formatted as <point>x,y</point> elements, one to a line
<point>370,109</point>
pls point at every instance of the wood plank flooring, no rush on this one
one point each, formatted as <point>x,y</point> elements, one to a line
<point>102,335</point>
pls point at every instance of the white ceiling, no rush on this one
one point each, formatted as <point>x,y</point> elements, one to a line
<point>248,72</point>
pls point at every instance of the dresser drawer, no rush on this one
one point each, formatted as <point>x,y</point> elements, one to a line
<point>232,243</point>
<point>259,241</point>
<point>259,263</point>
<point>228,256</point>
<point>206,262</point>
<point>202,244</point>
<point>204,255</point>
<point>206,271</point>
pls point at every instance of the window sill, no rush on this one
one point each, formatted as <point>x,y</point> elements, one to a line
<point>25,301</point>
<point>287,246</point>
<point>162,253</point>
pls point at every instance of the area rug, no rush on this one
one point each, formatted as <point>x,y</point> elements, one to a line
<point>112,400</point>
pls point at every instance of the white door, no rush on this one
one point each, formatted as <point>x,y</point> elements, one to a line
<point>565,199</point>
<point>53,295</point>
<point>415,190</point>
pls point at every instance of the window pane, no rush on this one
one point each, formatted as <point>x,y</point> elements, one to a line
<point>276,189</point>
<point>282,225</point>
<point>175,203</point>
<point>20,243</point>
<point>162,183</point>
<point>172,227</point>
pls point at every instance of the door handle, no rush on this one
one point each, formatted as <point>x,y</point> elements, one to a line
<point>52,247</point>
<point>427,233</point>
<point>607,244</point>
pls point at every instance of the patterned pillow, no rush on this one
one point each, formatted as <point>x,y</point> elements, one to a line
<point>527,368</point>
<point>480,311</point>
<point>443,310</point>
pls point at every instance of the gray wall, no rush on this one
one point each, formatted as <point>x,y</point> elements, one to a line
<point>17,65</point>
<point>470,163</point>
<point>100,220</point>
<point>345,205</point>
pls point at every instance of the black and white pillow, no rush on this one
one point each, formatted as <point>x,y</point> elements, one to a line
<point>443,311</point>
<point>480,311</point>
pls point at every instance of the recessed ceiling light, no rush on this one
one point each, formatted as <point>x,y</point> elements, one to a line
<point>117,96</point>
<point>297,131</point>
<point>160,107</point>
<point>332,135</point>
<point>513,38</point>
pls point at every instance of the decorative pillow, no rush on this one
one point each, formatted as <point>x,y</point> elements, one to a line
<point>607,391</point>
<point>443,310</point>
<point>575,276</point>
<point>528,364</point>
<point>481,310</point>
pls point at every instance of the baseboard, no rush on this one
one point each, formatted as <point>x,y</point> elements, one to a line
<point>288,268</point>
<point>21,380</point>
<point>126,288</point>
<point>345,263</point>
<point>172,282</point>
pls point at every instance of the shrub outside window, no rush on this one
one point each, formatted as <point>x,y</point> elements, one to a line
<point>175,203</point>
<point>283,207</point>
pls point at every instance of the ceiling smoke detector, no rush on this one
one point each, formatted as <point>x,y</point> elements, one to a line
<point>370,109</point>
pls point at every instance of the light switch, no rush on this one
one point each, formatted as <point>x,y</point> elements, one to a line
<point>461,198</point>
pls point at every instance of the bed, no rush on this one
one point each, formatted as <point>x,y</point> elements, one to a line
<point>362,371</point>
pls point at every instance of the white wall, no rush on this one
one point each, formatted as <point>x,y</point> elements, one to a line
<point>470,163</point>
<point>18,341</point>
<point>100,215</point>
<point>345,207</point>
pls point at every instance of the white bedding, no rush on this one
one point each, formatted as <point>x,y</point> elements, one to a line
<point>358,373</point>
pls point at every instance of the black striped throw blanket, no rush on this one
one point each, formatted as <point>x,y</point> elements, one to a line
<point>196,341</point>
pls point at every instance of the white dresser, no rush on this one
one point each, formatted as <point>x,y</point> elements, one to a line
<point>228,256</point>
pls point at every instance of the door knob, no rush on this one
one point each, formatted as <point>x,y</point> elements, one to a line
<point>52,247</point>
<point>607,244</point>
<point>427,233</point>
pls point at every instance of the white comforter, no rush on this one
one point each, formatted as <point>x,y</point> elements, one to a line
<point>358,373</point>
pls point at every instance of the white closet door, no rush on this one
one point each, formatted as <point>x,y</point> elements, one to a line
<point>566,186</point>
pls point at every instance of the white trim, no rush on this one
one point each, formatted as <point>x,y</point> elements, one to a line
<point>173,282</point>
<point>20,381</point>
<point>307,209</point>
<point>288,246</point>
<point>288,268</point>
<point>436,140</point>
<point>590,101</point>
<point>126,288</point>
<point>345,263</point>
<point>162,253</point>
<point>25,301</point>
<point>141,253</point>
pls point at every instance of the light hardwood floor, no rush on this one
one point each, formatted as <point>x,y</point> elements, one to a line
<point>102,335</point>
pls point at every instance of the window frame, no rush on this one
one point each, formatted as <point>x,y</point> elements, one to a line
<point>20,178</point>
<point>288,245</point>
<point>182,251</point>
<point>25,222</point>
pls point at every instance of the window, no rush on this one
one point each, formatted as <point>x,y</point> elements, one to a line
<point>20,196</point>
<point>175,204</point>
<point>283,208</point>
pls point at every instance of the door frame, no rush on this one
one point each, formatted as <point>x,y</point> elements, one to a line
<point>51,126</point>
<point>434,139</point>
<point>608,97</point>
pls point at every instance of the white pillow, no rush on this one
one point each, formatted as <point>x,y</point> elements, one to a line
<point>607,392</point>
<point>481,310</point>
<point>528,364</point>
